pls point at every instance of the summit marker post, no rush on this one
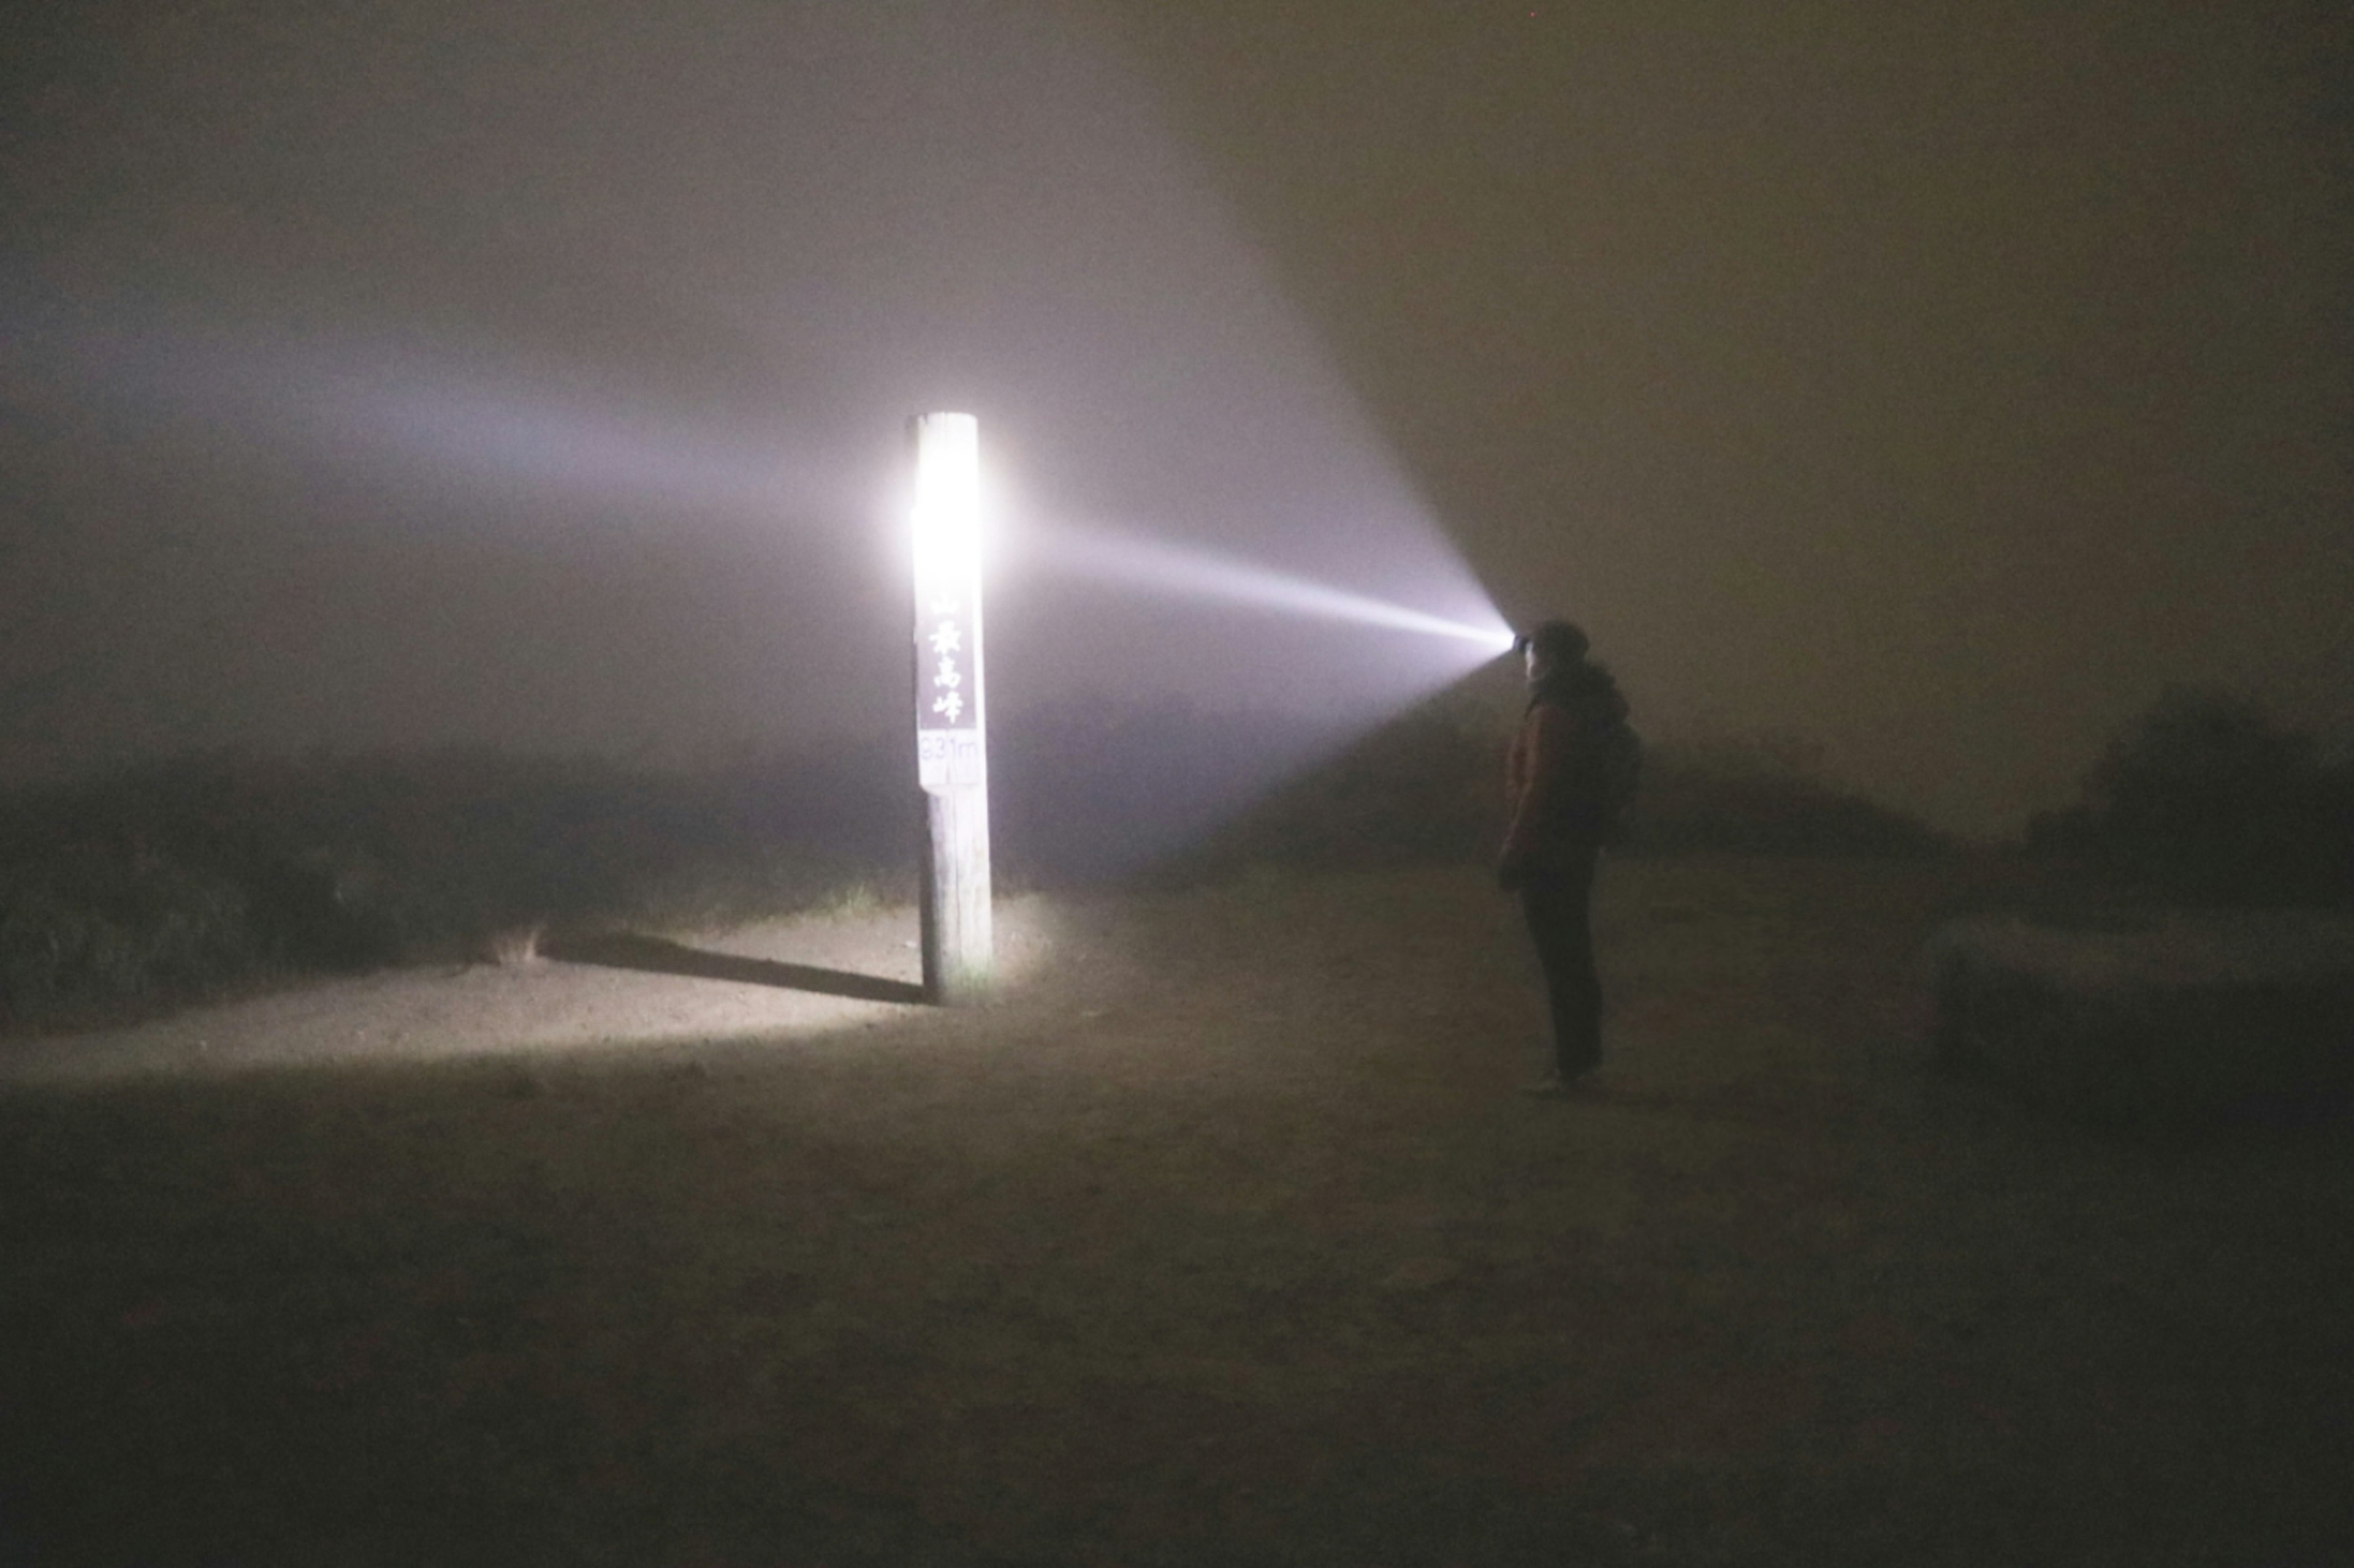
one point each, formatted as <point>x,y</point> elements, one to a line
<point>951,729</point>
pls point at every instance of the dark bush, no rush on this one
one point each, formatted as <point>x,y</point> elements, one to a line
<point>91,926</point>
<point>1429,786</point>
<point>171,880</point>
<point>1760,796</point>
<point>2208,797</point>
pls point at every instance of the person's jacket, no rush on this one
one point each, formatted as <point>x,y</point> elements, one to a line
<point>1553,774</point>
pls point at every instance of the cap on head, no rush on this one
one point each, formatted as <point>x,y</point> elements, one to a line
<point>1560,641</point>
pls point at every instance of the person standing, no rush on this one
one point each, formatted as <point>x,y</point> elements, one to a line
<point>1560,797</point>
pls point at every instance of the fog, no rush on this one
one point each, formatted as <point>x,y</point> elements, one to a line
<point>389,376</point>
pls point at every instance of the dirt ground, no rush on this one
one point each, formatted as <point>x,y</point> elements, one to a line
<point>1221,1237</point>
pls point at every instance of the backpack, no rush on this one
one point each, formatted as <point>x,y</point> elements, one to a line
<point>1619,769</point>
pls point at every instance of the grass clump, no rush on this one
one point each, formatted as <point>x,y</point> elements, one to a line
<point>177,880</point>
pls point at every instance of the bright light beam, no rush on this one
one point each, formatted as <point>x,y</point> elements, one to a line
<point>357,399</point>
<point>1152,563</point>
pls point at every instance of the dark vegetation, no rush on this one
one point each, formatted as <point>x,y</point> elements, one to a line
<point>1428,786</point>
<point>178,879</point>
<point>197,875</point>
<point>2209,799</point>
<point>186,878</point>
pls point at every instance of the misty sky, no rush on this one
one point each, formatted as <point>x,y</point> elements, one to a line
<point>1938,381</point>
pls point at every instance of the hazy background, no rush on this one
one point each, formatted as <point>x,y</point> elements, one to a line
<point>1936,381</point>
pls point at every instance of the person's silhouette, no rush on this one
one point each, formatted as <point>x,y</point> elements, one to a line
<point>1555,779</point>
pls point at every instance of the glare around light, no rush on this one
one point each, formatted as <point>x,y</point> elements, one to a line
<point>948,501</point>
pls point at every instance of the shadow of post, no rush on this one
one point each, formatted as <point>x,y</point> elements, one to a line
<point>657,955</point>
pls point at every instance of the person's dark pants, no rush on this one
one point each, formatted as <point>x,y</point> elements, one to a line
<point>1559,903</point>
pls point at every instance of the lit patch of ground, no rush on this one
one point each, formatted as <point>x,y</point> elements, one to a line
<point>806,977</point>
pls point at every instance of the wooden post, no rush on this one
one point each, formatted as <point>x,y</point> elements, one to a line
<point>952,732</point>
